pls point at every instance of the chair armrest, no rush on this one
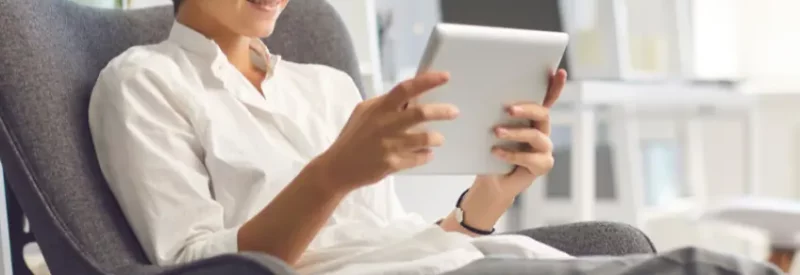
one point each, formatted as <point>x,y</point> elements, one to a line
<point>239,264</point>
<point>593,238</point>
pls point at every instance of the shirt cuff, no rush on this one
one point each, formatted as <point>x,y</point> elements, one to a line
<point>225,241</point>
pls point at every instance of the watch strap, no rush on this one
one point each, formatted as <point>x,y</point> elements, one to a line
<point>465,225</point>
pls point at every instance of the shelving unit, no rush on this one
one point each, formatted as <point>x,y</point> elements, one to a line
<point>621,105</point>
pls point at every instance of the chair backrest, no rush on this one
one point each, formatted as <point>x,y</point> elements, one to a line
<point>51,52</point>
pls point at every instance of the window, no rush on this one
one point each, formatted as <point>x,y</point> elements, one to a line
<point>662,172</point>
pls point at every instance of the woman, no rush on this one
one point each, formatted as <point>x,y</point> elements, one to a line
<point>212,145</point>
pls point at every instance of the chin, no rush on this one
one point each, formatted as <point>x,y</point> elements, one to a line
<point>264,32</point>
<point>259,23</point>
<point>257,27</point>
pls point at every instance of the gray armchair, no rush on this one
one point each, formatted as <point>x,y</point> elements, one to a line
<point>51,52</point>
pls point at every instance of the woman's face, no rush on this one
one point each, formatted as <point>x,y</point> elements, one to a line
<point>253,18</point>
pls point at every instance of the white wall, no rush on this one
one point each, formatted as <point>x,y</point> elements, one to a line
<point>770,37</point>
<point>715,38</point>
<point>779,121</point>
<point>360,17</point>
<point>779,118</point>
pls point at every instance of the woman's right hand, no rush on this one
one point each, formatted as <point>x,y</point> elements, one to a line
<point>378,140</point>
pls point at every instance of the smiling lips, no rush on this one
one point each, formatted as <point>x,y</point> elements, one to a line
<point>266,4</point>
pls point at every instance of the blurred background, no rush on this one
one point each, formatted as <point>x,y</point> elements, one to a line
<point>673,107</point>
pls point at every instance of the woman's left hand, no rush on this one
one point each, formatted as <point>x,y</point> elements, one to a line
<point>536,158</point>
<point>491,195</point>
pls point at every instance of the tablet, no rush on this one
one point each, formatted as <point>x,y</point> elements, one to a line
<point>489,68</point>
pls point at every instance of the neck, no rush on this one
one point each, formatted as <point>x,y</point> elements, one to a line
<point>236,47</point>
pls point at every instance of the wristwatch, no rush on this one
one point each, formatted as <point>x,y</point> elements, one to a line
<point>459,213</point>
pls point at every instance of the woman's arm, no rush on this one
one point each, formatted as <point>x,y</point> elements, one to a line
<point>152,161</point>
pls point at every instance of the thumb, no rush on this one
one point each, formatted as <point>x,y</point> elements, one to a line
<point>557,83</point>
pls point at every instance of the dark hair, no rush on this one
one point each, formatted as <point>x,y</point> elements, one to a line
<point>177,4</point>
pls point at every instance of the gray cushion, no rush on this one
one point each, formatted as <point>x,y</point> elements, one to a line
<point>51,52</point>
<point>594,238</point>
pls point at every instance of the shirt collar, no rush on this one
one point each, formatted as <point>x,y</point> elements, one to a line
<point>197,43</point>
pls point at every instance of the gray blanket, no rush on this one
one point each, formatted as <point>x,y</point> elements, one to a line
<point>689,261</point>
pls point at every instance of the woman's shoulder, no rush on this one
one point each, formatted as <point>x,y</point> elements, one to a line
<point>148,73</point>
<point>156,58</point>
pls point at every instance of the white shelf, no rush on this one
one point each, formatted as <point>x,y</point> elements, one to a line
<point>653,94</point>
<point>772,85</point>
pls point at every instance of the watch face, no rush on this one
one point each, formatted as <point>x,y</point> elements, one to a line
<point>459,215</point>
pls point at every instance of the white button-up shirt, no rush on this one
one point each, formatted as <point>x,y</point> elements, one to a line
<point>191,150</point>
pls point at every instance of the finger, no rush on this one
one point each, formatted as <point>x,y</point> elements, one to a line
<point>422,113</point>
<point>417,141</point>
<point>557,83</point>
<point>404,92</point>
<point>536,163</point>
<point>537,140</point>
<point>543,126</point>
<point>413,159</point>
<point>537,114</point>
<point>532,112</point>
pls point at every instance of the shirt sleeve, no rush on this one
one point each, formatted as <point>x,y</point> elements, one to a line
<point>151,159</point>
<point>393,208</point>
